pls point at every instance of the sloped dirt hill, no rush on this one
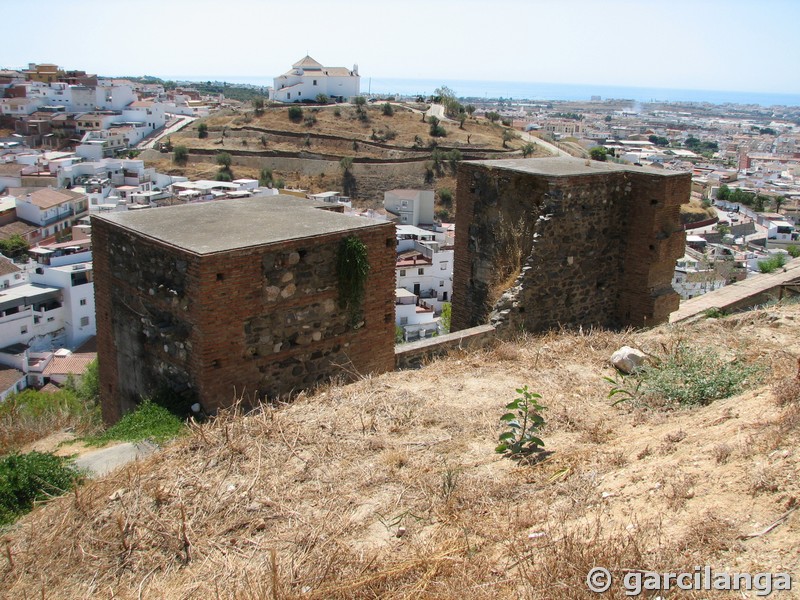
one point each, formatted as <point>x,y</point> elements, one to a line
<point>390,487</point>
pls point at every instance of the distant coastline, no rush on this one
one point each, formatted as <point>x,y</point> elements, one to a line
<point>536,91</point>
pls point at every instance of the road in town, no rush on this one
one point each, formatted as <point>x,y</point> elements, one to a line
<point>151,141</point>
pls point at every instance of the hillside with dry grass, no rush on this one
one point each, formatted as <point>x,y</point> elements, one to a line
<point>390,487</point>
<point>388,150</point>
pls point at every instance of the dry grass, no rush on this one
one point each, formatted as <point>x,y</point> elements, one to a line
<point>389,487</point>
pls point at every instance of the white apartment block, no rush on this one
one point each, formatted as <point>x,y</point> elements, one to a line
<point>413,207</point>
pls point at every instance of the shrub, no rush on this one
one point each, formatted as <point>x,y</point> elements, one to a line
<point>31,415</point>
<point>322,99</point>
<point>14,246</point>
<point>689,377</point>
<point>446,196</point>
<point>436,130</point>
<point>181,155</point>
<point>202,131</point>
<point>793,251</point>
<point>149,421</point>
<point>454,157</point>
<point>295,114</point>
<point>29,478</point>
<point>388,110</point>
<point>524,424</point>
<point>772,264</point>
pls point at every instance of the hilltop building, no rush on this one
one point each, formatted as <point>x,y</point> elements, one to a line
<point>308,78</point>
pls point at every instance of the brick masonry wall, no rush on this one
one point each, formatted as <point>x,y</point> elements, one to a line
<point>144,305</point>
<point>272,324</point>
<point>594,249</point>
<point>253,323</point>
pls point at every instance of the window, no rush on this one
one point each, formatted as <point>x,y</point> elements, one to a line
<point>421,271</point>
<point>441,283</point>
<point>50,319</point>
<point>444,265</point>
<point>315,82</point>
<point>84,321</point>
<point>402,272</point>
<point>23,330</point>
<point>403,320</point>
<point>83,301</point>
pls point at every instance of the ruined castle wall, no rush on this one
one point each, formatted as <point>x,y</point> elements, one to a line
<point>256,322</point>
<point>593,247</point>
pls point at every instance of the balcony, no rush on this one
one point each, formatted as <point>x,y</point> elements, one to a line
<point>59,217</point>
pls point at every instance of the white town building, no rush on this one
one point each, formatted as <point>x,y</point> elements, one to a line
<point>308,78</point>
<point>417,321</point>
<point>414,207</point>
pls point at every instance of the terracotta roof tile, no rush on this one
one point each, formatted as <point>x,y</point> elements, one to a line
<point>48,197</point>
<point>9,376</point>
<point>64,365</point>
<point>7,267</point>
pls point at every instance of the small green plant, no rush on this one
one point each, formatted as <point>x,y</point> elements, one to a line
<point>626,387</point>
<point>714,313</point>
<point>388,110</point>
<point>148,422</point>
<point>524,423</point>
<point>202,131</point>
<point>29,478</point>
<point>793,251</point>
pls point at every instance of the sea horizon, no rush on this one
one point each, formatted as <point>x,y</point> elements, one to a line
<point>534,91</point>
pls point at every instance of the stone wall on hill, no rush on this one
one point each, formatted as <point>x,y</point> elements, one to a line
<point>577,243</point>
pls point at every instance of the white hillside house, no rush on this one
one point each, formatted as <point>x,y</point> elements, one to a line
<point>308,78</point>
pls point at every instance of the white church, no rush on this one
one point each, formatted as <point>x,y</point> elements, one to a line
<point>307,79</point>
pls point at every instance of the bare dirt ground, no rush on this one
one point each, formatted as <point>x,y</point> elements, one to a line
<point>390,487</point>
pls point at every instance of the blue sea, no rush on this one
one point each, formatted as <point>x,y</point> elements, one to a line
<point>520,90</point>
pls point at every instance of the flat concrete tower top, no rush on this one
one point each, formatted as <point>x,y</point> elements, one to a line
<point>562,166</point>
<point>224,225</point>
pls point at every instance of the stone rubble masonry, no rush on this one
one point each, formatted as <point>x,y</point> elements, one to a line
<point>256,321</point>
<point>597,244</point>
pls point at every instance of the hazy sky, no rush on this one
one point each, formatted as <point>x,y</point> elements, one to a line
<point>741,45</point>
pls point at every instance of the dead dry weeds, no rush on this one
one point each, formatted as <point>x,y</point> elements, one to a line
<point>389,487</point>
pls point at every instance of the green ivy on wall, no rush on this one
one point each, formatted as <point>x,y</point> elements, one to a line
<point>352,268</point>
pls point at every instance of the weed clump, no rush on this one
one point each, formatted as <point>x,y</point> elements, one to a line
<point>148,422</point>
<point>686,376</point>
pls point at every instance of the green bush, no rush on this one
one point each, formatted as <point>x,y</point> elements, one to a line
<point>772,264</point>
<point>793,251</point>
<point>295,113</point>
<point>181,155</point>
<point>29,478</point>
<point>31,415</point>
<point>148,422</point>
<point>388,110</point>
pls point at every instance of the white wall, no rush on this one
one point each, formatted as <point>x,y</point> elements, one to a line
<point>78,300</point>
